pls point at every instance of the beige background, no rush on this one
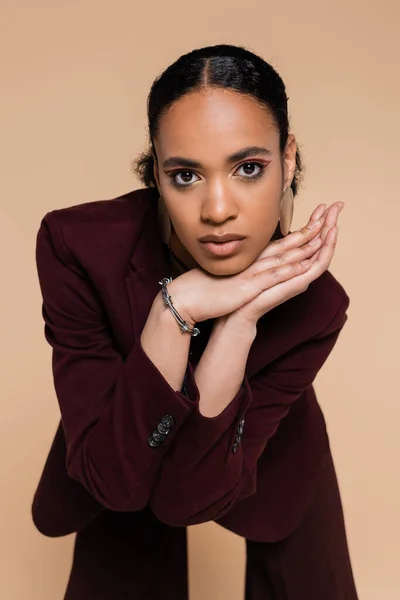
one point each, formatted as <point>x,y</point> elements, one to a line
<point>74,79</point>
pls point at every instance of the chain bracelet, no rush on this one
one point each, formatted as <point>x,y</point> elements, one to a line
<point>184,326</point>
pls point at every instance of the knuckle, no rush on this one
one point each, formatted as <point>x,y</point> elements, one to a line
<point>297,267</point>
<point>279,245</point>
<point>259,266</point>
<point>305,231</point>
<point>245,284</point>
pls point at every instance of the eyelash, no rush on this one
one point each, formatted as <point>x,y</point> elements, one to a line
<point>262,167</point>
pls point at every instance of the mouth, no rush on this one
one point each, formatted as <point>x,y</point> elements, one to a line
<point>223,248</point>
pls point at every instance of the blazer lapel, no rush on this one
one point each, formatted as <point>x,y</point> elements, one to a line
<point>147,266</point>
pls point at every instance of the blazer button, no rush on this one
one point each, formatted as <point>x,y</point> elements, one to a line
<point>157,436</point>
<point>152,442</point>
<point>162,429</point>
<point>167,421</point>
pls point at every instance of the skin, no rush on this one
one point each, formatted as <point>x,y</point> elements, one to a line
<point>224,197</point>
<point>221,196</point>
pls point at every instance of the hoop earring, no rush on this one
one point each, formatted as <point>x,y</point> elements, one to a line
<point>164,221</point>
<point>286,211</point>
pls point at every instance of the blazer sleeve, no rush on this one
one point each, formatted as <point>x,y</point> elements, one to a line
<point>119,416</point>
<point>211,466</point>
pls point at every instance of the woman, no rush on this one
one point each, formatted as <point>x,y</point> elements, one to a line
<point>164,428</point>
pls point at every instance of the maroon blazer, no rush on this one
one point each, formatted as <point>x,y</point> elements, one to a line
<point>252,469</point>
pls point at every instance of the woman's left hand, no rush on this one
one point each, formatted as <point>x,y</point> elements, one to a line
<point>252,311</point>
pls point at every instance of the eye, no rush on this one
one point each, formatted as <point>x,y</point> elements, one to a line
<point>251,169</point>
<point>183,178</point>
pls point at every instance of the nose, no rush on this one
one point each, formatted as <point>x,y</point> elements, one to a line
<point>218,205</point>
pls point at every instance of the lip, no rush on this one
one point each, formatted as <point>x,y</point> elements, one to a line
<point>223,248</point>
<point>225,237</point>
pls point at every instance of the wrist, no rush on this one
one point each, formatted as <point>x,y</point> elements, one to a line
<point>160,308</point>
<point>237,323</point>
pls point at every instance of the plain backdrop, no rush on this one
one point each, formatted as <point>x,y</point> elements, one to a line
<point>74,81</point>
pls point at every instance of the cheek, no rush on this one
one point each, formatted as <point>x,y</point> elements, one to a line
<point>265,220</point>
<point>183,223</point>
<point>263,213</point>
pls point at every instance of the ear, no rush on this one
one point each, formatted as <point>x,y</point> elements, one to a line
<point>155,170</point>
<point>289,161</point>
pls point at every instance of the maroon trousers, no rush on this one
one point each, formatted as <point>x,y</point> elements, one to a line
<point>132,556</point>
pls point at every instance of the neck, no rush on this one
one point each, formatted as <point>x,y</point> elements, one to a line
<point>178,267</point>
<point>180,254</point>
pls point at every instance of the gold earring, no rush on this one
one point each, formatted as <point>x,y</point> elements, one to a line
<point>286,211</point>
<point>164,221</point>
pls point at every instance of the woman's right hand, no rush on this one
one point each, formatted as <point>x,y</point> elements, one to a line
<point>198,295</point>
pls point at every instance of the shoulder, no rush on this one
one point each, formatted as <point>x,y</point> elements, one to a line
<point>125,208</point>
<point>317,310</point>
<point>326,295</point>
<point>123,213</point>
<point>92,228</point>
<point>315,313</point>
<point>328,301</point>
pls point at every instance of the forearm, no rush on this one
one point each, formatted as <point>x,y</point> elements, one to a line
<point>221,369</point>
<point>165,344</point>
<point>204,474</point>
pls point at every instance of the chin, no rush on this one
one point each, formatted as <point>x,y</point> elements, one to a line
<point>225,267</point>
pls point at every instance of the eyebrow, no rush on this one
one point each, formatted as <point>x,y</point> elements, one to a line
<point>180,161</point>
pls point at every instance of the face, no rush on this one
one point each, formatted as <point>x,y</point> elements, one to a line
<point>220,171</point>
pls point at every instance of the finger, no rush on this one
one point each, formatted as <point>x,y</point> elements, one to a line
<point>292,240</point>
<point>318,212</point>
<point>296,238</point>
<point>322,259</point>
<point>269,278</point>
<point>298,283</point>
<point>315,256</point>
<point>290,256</point>
<point>331,218</point>
<point>328,222</point>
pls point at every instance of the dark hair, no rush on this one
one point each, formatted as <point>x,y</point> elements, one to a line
<point>224,66</point>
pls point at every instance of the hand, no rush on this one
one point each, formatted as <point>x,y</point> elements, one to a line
<point>198,295</point>
<point>318,262</point>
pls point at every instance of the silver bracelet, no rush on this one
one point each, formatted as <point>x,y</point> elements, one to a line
<point>185,327</point>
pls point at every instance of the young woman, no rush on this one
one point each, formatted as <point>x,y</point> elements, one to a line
<point>162,427</point>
